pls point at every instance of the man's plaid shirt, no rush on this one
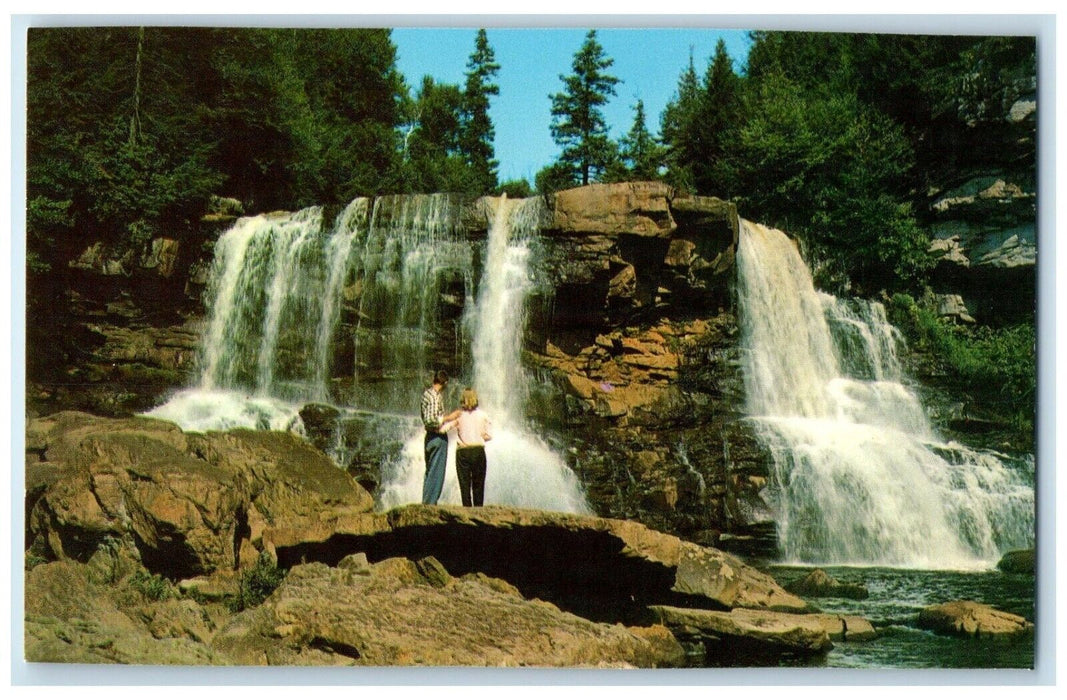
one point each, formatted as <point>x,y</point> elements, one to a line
<point>433,410</point>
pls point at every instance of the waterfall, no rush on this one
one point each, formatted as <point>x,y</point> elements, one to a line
<point>860,475</point>
<point>414,254</point>
<point>386,288</point>
<point>523,471</point>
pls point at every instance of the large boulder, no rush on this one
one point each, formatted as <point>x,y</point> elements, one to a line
<point>192,503</point>
<point>819,584</point>
<point>1019,561</point>
<point>397,612</point>
<point>599,568</point>
<point>967,618</point>
<point>754,633</point>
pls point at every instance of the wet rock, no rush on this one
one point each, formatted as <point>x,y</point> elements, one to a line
<point>760,633</point>
<point>819,584</point>
<point>967,618</point>
<point>845,628</point>
<point>1020,561</point>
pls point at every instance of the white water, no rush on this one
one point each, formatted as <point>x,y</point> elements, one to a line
<point>276,294</point>
<point>522,470</point>
<point>860,476</point>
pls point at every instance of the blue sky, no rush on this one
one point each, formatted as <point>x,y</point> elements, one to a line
<point>648,63</point>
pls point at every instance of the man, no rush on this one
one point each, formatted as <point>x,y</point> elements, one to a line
<point>436,444</point>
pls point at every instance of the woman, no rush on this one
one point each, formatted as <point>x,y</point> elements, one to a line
<point>472,430</point>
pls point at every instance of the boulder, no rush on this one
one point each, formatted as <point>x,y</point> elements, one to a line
<point>73,616</point>
<point>100,260</point>
<point>1020,561</point>
<point>161,256</point>
<point>392,614</point>
<point>596,567</point>
<point>845,628</point>
<point>760,632</point>
<point>967,618</point>
<point>952,307</point>
<point>819,584</point>
<point>192,503</point>
<point>640,208</point>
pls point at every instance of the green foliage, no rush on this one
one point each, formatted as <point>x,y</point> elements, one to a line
<point>447,136</point>
<point>33,559</point>
<point>151,586</point>
<point>516,189</point>
<point>678,126</point>
<point>555,177</point>
<point>826,167</point>
<point>718,111</point>
<point>578,125</point>
<point>639,151</point>
<point>476,134</point>
<point>130,130</point>
<point>1000,363</point>
<point>432,162</point>
<point>257,583</point>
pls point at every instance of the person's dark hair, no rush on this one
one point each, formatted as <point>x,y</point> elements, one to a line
<point>440,377</point>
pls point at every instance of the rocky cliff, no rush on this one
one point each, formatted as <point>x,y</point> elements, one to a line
<point>630,347</point>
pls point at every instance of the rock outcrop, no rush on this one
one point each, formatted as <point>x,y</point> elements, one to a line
<point>395,612</point>
<point>982,213</point>
<point>138,534</point>
<point>967,618</point>
<point>192,503</point>
<point>98,612</point>
<point>602,569</point>
<point>392,614</point>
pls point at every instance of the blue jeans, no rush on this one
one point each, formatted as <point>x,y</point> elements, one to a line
<point>436,457</point>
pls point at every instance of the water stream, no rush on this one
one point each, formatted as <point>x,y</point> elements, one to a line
<point>860,475</point>
<point>291,298</point>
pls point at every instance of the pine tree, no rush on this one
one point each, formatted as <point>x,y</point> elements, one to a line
<point>678,127</point>
<point>476,134</point>
<point>640,151</point>
<point>578,125</point>
<point>717,112</point>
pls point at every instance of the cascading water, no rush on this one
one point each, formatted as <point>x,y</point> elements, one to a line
<point>523,470</point>
<point>291,298</point>
<point>275,296</point>
<point>272,298</point>
<point>860,476</point>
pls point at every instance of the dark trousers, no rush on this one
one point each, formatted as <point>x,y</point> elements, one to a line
<point>470,470</point>
<point>436,445</point>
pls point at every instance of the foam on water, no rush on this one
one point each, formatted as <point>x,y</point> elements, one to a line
<point>201,410</point>
<point>860,476</point>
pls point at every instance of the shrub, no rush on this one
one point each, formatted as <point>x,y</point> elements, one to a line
<point>1000,363</point>
<point>151,586</point>
<point>257,583</point>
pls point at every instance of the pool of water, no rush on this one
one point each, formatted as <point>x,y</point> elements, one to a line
<point>897,596</point>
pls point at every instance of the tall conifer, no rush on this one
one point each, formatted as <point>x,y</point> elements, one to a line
<point>578,125</point>
<point>476,134</point>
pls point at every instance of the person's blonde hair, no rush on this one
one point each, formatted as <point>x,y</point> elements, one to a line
<point>469,400</point>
